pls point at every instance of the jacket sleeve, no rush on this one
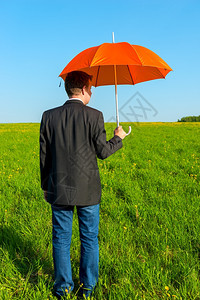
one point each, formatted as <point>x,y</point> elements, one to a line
<point>45,154</point>
<point>105,148</point>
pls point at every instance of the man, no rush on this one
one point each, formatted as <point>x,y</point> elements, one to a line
<point>71,137</point>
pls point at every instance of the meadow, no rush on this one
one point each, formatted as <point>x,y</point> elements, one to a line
<point>149,220</point>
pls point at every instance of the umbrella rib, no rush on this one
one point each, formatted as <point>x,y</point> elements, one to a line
<point>97,75</point>
<point>130,74</point>
<point>160,73</point>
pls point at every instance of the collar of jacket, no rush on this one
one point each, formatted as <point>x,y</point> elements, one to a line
<point>74,101</point>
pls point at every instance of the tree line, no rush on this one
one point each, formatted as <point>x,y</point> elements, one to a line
<point>190,119</point>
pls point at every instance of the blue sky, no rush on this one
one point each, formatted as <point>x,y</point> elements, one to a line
<point>38,38</point>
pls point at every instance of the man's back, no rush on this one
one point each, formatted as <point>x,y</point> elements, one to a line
<point>71,137</point>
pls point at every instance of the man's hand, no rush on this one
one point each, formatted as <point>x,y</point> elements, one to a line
<point>120,132</point>
<point>45,195</point>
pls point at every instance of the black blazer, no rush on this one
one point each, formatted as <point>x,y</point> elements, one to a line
<point>71,136</point>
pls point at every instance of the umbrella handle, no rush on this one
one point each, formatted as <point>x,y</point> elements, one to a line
<point>129,131</point>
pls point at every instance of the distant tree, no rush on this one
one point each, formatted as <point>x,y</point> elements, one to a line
<point>190,119</point>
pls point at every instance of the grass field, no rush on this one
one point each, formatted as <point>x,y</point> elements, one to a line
<point>150,216</point>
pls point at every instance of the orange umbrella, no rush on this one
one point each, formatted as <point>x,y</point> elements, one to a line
<point>118,63</point>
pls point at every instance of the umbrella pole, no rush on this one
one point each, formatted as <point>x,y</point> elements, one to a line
<point>116,96</point>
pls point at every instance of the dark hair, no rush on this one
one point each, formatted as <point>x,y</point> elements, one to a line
<point>75,81</point>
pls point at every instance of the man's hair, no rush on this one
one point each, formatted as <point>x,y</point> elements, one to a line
<point>75,81</point>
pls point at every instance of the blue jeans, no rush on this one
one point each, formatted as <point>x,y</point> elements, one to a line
<point>88,217</point>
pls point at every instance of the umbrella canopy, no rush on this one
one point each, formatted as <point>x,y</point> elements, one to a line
<point>133,63</point>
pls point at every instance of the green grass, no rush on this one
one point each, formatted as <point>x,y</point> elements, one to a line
<point>150,216</point>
